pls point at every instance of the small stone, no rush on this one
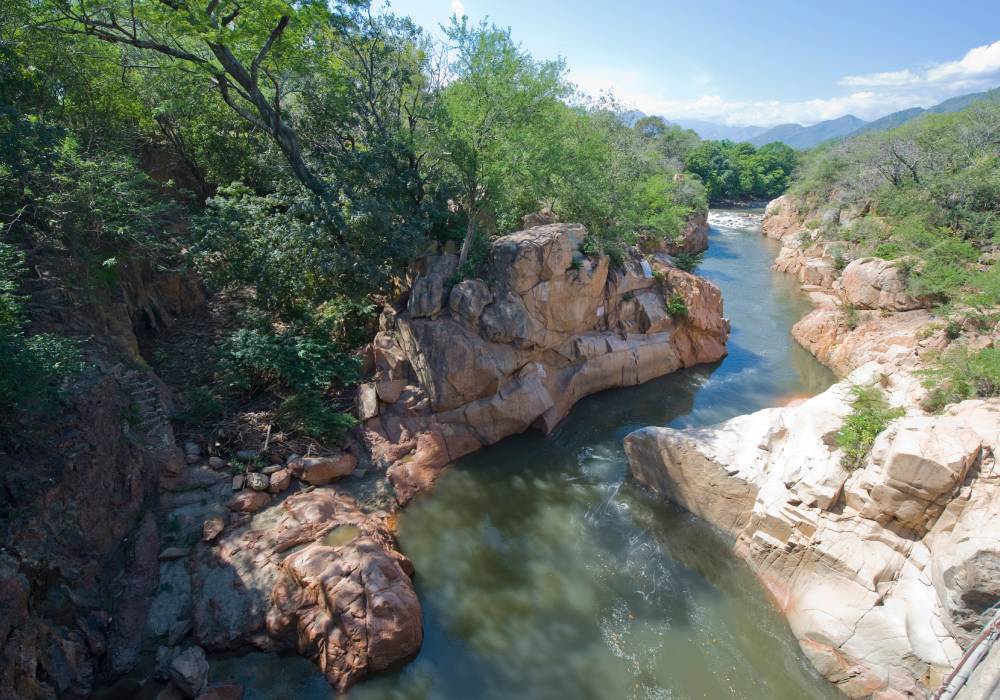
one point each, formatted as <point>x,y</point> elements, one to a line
<point>191,448</point>
<point>192,459</point>
<point>248,501</point>
<point>189,672</point>
<point>171,553</point>
<point>246,455</point>
<point>217,463</point>
<point>322,470</point>
<point>257,481</point>
<point>280,481</point>
<point>292,458</point>
<point>212,528</point>
<point>238,482</point>
<point>267,471</point>
<point>178,631</point>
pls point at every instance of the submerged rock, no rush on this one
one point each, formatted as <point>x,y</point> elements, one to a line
<point>544,327</point>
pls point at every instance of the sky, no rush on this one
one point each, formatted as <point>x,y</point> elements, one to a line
<point>760,62</point>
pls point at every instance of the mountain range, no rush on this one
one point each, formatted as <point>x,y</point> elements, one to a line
<point>799,136</point>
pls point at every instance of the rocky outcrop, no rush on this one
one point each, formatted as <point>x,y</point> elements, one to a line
<point>314,575</point>
<point>867,566</point>
<point>464,365</point>
<point>693,238</point>
<point>886,572</point>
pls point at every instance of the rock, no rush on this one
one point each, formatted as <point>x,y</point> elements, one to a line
<point>429,292</point>
<point>178,631</point>
<point>323,470</point>
<point>212,528</point>
<point>268,471</point>
<point>238,481</point>
<point>246,455</point>
<point>257,481</point>
<point>873,283</point>
<point>174,553</point>
<point>248,501</point>
<point>217,463</point>
<point>280,481</point>
<point>468,299</point>
<point>231,691</point>
<point>189,671</point>
<point>367,401</point>
<point>192,448</point>
<point>290,581</point>
<point>516,349</point>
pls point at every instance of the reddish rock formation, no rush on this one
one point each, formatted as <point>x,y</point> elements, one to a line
<point>466,365</point>
<point>315,575</point>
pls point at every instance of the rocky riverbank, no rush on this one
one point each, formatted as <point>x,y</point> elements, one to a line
<point>463,366</point>
<point>885,572</point>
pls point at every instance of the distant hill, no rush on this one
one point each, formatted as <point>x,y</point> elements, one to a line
<point>798,136</point>
<point>955,104</point>
<point>718,132</point>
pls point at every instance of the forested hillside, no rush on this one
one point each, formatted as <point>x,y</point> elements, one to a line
<point>302,151</point>
<point>926,197</point>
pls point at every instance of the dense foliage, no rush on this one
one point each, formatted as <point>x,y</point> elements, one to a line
<point>305,152</point>
<point>926,195</point>
<point>738,171</point>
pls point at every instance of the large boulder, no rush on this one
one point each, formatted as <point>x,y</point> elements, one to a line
<point>317,576</point>
<point>874,283</point>
<point>544,327</point>
<point>885,574</point>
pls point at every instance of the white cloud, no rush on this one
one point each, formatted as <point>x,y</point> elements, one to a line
<point>872,95</point>
<point>458,8</point>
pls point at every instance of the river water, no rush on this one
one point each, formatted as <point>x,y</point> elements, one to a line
<point>545,573</point>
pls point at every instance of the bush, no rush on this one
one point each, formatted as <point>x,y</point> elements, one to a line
<point>676,306</point>
<point>255,359</point>
<point>870,415</point>
<point>960,373</point>
<point>688,261</point>
<point>310,413</point>
<point>34,369</point>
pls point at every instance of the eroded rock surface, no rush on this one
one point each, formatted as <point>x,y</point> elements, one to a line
<point>885,573</point>
<point>464,366</point>
<point>314,575</point>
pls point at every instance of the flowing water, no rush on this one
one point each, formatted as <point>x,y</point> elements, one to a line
<point>545,573</point>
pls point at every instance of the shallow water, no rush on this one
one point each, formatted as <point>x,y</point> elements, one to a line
<point>545,573</point>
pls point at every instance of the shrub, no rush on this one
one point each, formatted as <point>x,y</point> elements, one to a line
<point>34,369</point>
<point>688,261</point>
<point>870,415</point>
<point>310,413</point>
<point>676,306</point>
<point>961,373</point>
<point>850,315</point>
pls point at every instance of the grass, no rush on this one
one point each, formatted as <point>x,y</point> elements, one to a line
<point>870,415</point>
<point>961,373</point>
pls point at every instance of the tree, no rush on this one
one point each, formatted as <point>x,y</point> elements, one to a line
<point>255,54</point>
<point>496,103</point>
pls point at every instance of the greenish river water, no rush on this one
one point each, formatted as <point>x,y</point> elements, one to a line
<point>545,573</point>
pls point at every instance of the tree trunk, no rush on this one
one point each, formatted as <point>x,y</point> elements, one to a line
<point>470,234</point>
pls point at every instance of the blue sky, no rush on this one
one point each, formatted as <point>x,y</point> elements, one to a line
<point>755,62</point>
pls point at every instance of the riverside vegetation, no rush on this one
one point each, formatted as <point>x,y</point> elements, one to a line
<point>301,189</point>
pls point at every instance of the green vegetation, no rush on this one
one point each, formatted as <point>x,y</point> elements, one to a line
<point>870,415</point>
<point>302,152</point>
<point>926,195</point>
<point>961,373</point>
<point>688,261</point>
<point>738,171</point>
<point>676,306</point>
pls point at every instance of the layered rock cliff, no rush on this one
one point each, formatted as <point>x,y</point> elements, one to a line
<point>465,364</point>
<point>886,573</point>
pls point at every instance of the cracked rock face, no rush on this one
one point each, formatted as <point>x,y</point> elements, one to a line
<point>467,365</point>
<point>316,576</point>
<point>884,573</point>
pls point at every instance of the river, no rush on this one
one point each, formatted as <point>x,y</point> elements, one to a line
<point>545,573</point>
